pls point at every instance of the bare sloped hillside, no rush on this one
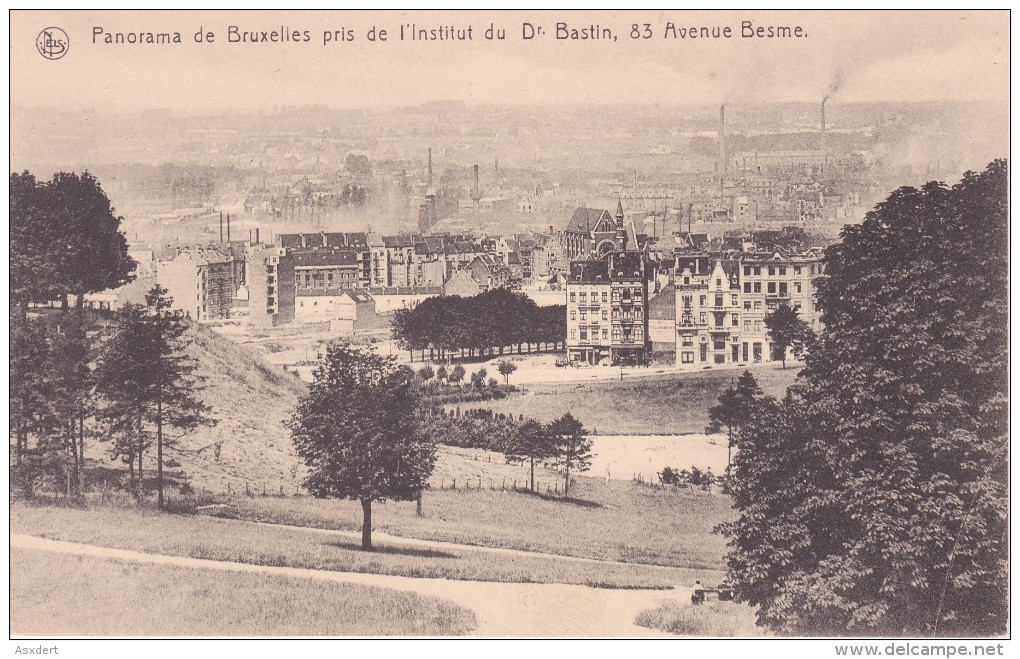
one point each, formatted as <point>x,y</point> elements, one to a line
<point>251,400</point>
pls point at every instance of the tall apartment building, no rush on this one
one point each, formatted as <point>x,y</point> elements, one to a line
<point>201,283</point>
<point>607,302</point>
<point>271,286</point>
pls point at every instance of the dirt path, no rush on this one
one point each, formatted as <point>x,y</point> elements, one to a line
<point>502,609</point>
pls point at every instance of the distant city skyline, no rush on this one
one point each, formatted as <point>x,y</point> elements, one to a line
<point>853,56</point>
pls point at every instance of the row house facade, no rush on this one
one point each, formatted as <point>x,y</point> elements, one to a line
<point>721,304</point>
<point>607,302</point>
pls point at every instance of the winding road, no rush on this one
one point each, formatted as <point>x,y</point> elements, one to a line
<point>501,609</point>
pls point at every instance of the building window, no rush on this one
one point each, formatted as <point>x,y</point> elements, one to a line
<point>687,340</point>
<point>719,344</point>
<point>718,282</point>
<point>573,334</point>
<point>796,269</point>
<point>782,271</point>
<point>686,357</point>
<point>757,326</point>
<point>747,305</point>
<point>573,315</point>
<point>605,296</point>
<point>734,300</point>
<point>617,333</point>
<point>605,314</point>
<point>736,321</point>
<point>747,271</point>
<point>772,288</point>
<point>796,287</point>
<point>772,271</point>
<point>783,289</point>
<point>584,315</point>
<point>747,326</point>
<point>757,270</point>
<point>718,299</point>
<point>605,334</point>
<point>747,287</point>
<point>584,297</point>
<point>757,287</point>
<point>703,318</point>
<point>638,334</point>
<point>687,299</point>
<point>757,305</point>
<point>573,297</point>
<point>584,335</point>
<point>703,300</point>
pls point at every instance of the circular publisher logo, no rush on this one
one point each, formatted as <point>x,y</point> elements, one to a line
<point>52,43</point>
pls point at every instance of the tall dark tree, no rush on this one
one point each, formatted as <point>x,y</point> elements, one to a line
<point>531,441</point>
<point>874,499</point>
<point>29,394</point>
<point>148,382</point>
<point>71,400</point>
<point>573,447</point>
<point>734,410</point>
<point>357,431</point>
<point>96,257</point>
<point>786,330</point>
<point>65,239</point>
<point>35,244</point>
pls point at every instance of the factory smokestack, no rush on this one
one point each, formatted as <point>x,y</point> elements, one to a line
<point>476,191</point>
<point>429,182</point>
<point>722,139</point>
<point>221,226</point>
<point>228,227</point>
<point>822,143</point>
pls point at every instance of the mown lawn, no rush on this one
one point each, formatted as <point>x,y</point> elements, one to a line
<point>670,404</point>
<point>614,520</point>
<point>63,595</point>
<point>240,541</point>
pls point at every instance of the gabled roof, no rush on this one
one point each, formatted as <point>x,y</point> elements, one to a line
<point>586,220</point>
<point>398,241</point>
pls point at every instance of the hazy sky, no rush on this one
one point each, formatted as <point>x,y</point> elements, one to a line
<point>877,56</point>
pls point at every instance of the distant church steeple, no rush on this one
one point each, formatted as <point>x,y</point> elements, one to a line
<point>621,233</point>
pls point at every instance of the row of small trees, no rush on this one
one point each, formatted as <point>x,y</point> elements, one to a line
<point>129,382</point>
<point>479,325</point>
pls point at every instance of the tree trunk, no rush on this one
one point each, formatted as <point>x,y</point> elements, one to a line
<point>532,474</point>
<point>159,448</point>
<point>366,524</point>
<point>141,478</point>
<point>81,453</point>
<point>418,510</point>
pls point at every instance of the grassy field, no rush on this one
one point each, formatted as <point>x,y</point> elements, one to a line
<point>615,520</point>
<point>713,619</point>
<point>204,537</point>
<point>58,595</point>
<point>669,404</point>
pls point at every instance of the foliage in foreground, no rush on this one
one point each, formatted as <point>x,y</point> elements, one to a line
<point>873,500</point>
<point>713,619</point>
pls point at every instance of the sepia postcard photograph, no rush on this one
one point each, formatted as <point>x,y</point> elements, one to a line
<point>559,324</point>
